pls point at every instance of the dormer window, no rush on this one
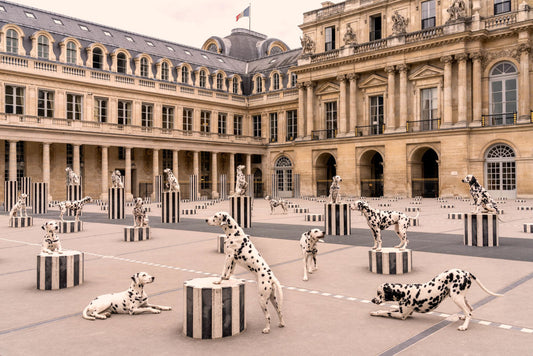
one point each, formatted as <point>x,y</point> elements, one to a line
<point>235,86</point>
<point>330,38</point>
<point>98,58</point>
<point>150,44</point>
<point>121,63</point>
<point>84,28</point>
<point>203,55</point>
<point>202,79</point>
<point>164,71</point>
<point>58,22</point>
<point>42,47</point>
<point>220,81</point>
<point>129,39</point>
<point>72,53</point>
<point>187,52</point>
<point>212,48</point>
<point>3,9</point>
<point>259,84</point>
<point>170,49</point>
<point>29,15</point>
<point>12,41</point>
<point>144,67</point>
<point>275,83</point>
<point>108,34</point>
<point>184,74</point>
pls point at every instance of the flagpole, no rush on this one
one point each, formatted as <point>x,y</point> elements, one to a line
<point>250,17</point>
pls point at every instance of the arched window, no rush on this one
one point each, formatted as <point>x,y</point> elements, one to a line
<point>220,81</point>
<point>12,42</point>
<point>500,170</point>
<point>184,74</point>
<point>121,63</point>
<point>275,78</point>
<point>275,50</point>
<point>235,86</point>
<point>164,71</point>
<point>43,47</point>
<point>283,177</point>
<point>503,94</point>
<point>212,48</point>
<point>259,84</point>
<point>72,53</point>
<point>202,79</point>
<point>98,59</point>
<point>144,67</point>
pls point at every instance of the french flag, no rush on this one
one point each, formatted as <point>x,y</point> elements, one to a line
<point>244,13</point>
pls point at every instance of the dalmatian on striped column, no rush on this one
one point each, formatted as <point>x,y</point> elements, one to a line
<point>51,241</point>
<point>75,206</point>
<point>72,177</point>
<point>240,182</point>
<point>334,190</point>
<point>116,179</point>
<point>172,183</point>
<point>482,198</point>
<point>139,214</point>
<point>19,209</point>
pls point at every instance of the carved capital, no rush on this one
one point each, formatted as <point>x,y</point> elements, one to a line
<point>461,57</point>
<point>477,56</point>
<point>446,59</point>
<point>524,48</point>
<point>341,77</point>
<point>353,76</point>
<point>300,85</point>
<point>390,69</point>
<point>403,67</point>
<point>310,84</point>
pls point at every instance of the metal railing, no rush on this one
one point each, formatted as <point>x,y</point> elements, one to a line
<point>369,130</point>
<point>425,187</point>
<point>323,134</point>
<point>372,187</point>
<point>502,119</point>
<point>422,125</point>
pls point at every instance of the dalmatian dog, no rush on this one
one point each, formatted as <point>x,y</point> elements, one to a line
<point>51,241</point>
<point>308,243</point>
<point>239,249</point>
<point>334,190</point>
<point>379,220</point>
<point>72,177</point>
<point>172,182</point>
<point>19,209</point>
<point>63,207</point>
<point>132,301</point>
<point>274,203</point>
<point>139,214</point>
<point>116,179</point>
<point>240,183</point>
<point>481,196</point>
<point>423,298</point>
<point>75,206</point>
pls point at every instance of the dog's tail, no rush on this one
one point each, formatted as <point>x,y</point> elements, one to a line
<point>485,288</point>
<point>278,292</point>
<point>85,315</point>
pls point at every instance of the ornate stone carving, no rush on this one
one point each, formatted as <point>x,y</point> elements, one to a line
<point>399,24</point>
<point>509,52</point>
<point>310,84</point>
<point>461,57</point>
<point>446,59</point>
<point>353,76</point>
<point>349,36</point>
<point>402,67</point>
<point>524,47</point>
<point>341,77</point>
<point>308,45</point>
<point>390,69</point>
<point>477,56</point>
<point>457,11</point>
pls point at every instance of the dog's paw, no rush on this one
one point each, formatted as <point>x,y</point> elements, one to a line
<point>305,278</point>
<point>281,324</point>
<point>266,330</point>
<point>374,313</point>
<point>217,282</point>
<point>156,311</point>
<point>462,328</point>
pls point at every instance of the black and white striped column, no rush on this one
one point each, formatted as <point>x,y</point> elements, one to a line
<point>481,230</point>
<point>159,188</point>
<point>73,193</point>
<point>390,261</point>
<point>338,219</point>
<point>528,227</point>
<point>132,234</point>
<point>25,187</point>
<point>223,187</point>
<point>220,243</point>
<point>193,187</point>
<point>39,201</point>
<point>58,271</point>
<point>170,208</point>
<point>241,210</point>
<point>10,194</point>
<point>66,227</point>
<point>20,221</point>
<point>212,311</point>
<point>116,203</point>
<point>314,217</point>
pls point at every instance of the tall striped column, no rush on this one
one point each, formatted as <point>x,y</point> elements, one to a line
<point>193,187</point>
<point>212,311</point>
<point>39,193</point>
<point>170,208</point>
<point>159,188</point>
<point>390,261</point>
<point>250,181</point>
<point>60,271</point>
<point>338,219</point>
<point>241,210</point>
<point>116,203</point>
<point>10,194</point>
<point>223,187</point>
<point>296,185</point>
<point>25,187</point>
<point>481,230</point>
<point>73,193</point>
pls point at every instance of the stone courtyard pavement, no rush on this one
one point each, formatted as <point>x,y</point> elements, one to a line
<point>327,315</point>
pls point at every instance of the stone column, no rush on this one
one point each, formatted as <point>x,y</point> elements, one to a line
<point>214,175</point>
<point>155,170</point>
<point>231,173</point>
<point>524,113</point>
<point>352,122</point>
<point>196,170</point>
<point>127,174</point>
<point>310,104</point>
<point>282,126</point>
<point>46,166</point>
<point>76,159</point>
<point>175,163</point>
<point>461,90</point>
<point>248,164</point>
<point>404,101</point>
<point>447,100</point>
<point>12,160</point>
<point>301,110</point>
<point>391,96</point>
<point>342,129</point>
<point>476,88</point>
<point>105,177</point>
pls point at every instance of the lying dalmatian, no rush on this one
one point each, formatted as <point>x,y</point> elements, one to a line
<point>132,301</point>
<point>334,190</point>
<point>274,203</point>
<point>172,182</point>
<point>308,243</point>
<point>379,220</point>
<point>239,249</point>
<point>240,182</point>
<point>51,241</point>
<point>423,298</point>
<point>139,214</point>
<point>19,209</point>
<point>481,196</point>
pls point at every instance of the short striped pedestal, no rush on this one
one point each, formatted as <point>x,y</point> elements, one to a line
<point>73,193</point>
<point>455,216</point>
<point>116,203</point>
<point>301,210</point>
<point>390,261</point>
<point>416,203</point>
<point>241,210</point>
<point>384,205</point>
<point>20,221</point>
<point>60,270</point>
<point>188,211</point>
<point>39,195</point>
<point>447,206</point>
<point>66,227</point>
<point>212,311</point>
<point>524,208</point>
<point>481,230</point>
<point>220,243</point>
<point>170,210</point>
<point>414,221</point>
<point>338,219</point>
<point>314,217</point>
<point>132,234</point>
<point>412,209</point>
<point>199,207</point>
<point>528,227</point>
<point>10,194</point>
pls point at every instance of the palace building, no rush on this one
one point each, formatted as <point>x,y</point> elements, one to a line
<point>398,97</point>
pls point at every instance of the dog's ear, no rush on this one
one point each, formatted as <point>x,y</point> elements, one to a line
<point>135,278</point>
<point>473,180</point>
<point>388,295</point>
<point>43,226</point>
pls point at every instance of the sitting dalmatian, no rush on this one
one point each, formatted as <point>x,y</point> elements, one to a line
<point>240,250</point>
<point>481,196</point>
<point>132,301</point>
<point>116,179</point>
<point>334,190</point>
<point>274,203</point>
<point>240,182</point>
<point>172,183</point>
<point>51,241</point>
<point>139,214</point>
<point>19,209</point>
<point>423,298</point>
<point>72,177</point>
<point>308,243</point>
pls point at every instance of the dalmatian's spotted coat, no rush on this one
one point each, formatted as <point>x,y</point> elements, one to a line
<point>75,206</point>
<point>334,190</point>
<point>51,241</point>
<point>19,209</point>
<point>274,203</point>
<point>423,298</point>
<point>239,249</point>
<point>308,243</point>
<point>381,219</point>
<point>172,183</point>
<point>72,177</point>
<point>481,196</point>
<point>132,301</point>
<point>139,214</point>
<point>116,179</point>
<point>240,183</point>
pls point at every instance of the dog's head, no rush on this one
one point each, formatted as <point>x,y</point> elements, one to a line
<point>142,278</point>
<point>384,294</point>
<point>67,169</point>
<point>337,179</point>
<point>470,179</point>
<point>268,197</point>
<point>219,219</point>
<point>240,167</point>
<point>50,226</point>
<point>360,205</point>
<point>117,173</point>
<point>23,196</point>
<point>138,201</point>
<point>166,170</point>
<point>315,234</point>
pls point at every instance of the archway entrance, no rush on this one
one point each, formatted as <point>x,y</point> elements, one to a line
<point>258,183</point>
<point>371,170</point>
<point>425,173</point>
<point>326,169</point>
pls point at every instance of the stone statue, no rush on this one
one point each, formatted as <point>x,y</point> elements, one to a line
<point>172,183</point>
<point>399,24</point>
<point>116,179</point>
<point>349,36</point>
<point>240,182</point>
<point>72,178</point>
<point>308,45</point>
<point>457,10</point>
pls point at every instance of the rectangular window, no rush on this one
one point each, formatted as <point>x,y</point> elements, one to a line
<point>187,119</point>
<point>330,38</point>
<point>256,122</point>
<point>292,125</point>
<point>428,109</point>
<point>376,115</point>
<point>45,103</point>
<point>237,125</point>
<point>375,27</point>
<point>74,106</point>
<point>331,119</point>
<point>124,112</point>
<point>274,127</point>
<point>502,6</point>
<point>294,80</point>
<point>168,117</point>
<point>205,121</point>
<point>14,100</point>
<point>167,159</point>
<point>100,109</point>
<point>122,153</point>
<point>222,124</point>
<point>428,14</point>
<point>147,115</point>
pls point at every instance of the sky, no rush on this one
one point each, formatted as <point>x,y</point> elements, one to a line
<point>188,22</point>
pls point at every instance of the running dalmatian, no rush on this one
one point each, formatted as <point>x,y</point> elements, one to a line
<point>19,209</point>
<point>379,220</point>
<point>481,196</point>
<point>239,249</point>
<point>172,182</point>
<point>274,203</point>
<point>308,243</point>
<point>334,190</point>
<point>240,183</point>
<point>132,301</point>
<point>139,214</point>
<point>51,241</point>
<point>423,298</point>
